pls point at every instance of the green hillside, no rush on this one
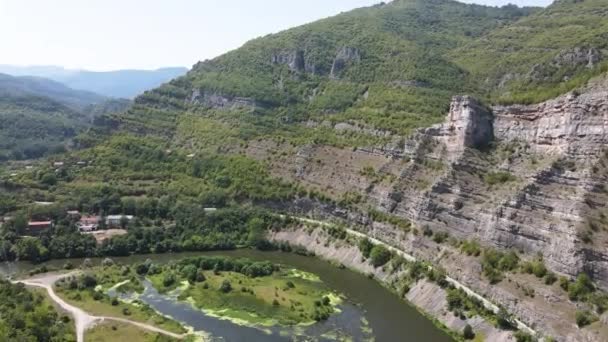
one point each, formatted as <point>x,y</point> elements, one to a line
<point>40,116</point>
<point>391,66</point>
<point>541,56</point>
<point>32,126</point>
<point>384,65</point>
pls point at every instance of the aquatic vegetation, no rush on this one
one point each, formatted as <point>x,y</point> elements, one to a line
<point>247,292</point>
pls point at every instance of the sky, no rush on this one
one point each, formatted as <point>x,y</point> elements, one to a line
<point>147,34</point>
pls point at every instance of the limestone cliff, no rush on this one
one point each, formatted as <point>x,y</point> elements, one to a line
<point>556,169</point>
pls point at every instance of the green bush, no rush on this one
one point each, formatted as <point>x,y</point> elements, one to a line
<point>495,263</point>
<point>521,336</point>
<point>471,248</point>
<point>365,246</point>
<point>226,286</point>
<point>468,333</point>
<point>581,288</point>
<point>584,318</point>
<point>550,278</point>
<point>536,267</point>
<point>379,256</point>
<point>494,178</point>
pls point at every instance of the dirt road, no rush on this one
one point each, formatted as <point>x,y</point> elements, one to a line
<point>82,319</point>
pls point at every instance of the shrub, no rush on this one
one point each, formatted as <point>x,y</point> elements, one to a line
<point>581,288</point>
<point>584,318</point>
<point>169,279</point>
<point>454,300</point>
<point>536,267</point>
<point>495,263</point>
<point>142,269</point>
<point>501,177</point>
<point>468,333</point>
<point>564,283</point>
<point>89,281</point>
<point>521,336</point>
<point>365,246</point>
<point>97,296</point>
<point>471,248</point>
<point>504,320</point>
<point>379,256</point>
<point>550,278</point>
<point>440,237</point>
<point>226,286</point>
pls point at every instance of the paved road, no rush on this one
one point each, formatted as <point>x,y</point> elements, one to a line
<point>82,319</point>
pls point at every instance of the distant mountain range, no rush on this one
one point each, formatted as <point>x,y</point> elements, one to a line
<point>38,86</point>
<point>120,83</point>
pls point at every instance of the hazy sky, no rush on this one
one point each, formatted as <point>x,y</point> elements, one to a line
<point>146,34</point>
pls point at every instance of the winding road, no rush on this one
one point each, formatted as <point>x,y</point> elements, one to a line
<point>83,319</point>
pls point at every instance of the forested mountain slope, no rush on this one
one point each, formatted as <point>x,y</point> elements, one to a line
<point>360,119</point>
<point>39,116</point>
<point>384,65</point>
<point>26,85</point>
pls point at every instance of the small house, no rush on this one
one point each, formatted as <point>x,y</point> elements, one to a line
<point>38,227</point>
<point>73,213</point>
<point>58,164</point>
<point>88,223</point>
<point>116,221</point>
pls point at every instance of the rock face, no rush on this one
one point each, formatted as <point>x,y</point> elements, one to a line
<point>526,177</point>
<point>293,59</point>
<point>219,101</point>
<point>588,57</point>
<point>468,125</point>
<point>346,56</point>
<point>551,200</point>
<point>549,206</point>
<point>567,61</point>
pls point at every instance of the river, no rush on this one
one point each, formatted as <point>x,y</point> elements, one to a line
<point>389,318</point>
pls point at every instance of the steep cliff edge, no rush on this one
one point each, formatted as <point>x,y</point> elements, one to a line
<point>544,203</point>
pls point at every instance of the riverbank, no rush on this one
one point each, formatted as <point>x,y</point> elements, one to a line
<point>427,297</point>
<point>384,318</point>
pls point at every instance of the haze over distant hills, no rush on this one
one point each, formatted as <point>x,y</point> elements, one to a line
<point>119,83</point>
<point>40,116</point>
<point>44,87</point>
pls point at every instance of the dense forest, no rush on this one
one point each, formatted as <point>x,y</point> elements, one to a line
<point>29,316</point>
<point>40,117</point>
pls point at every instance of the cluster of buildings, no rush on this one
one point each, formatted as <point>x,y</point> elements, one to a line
<point>93,223</point>
<point>85,223</point>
